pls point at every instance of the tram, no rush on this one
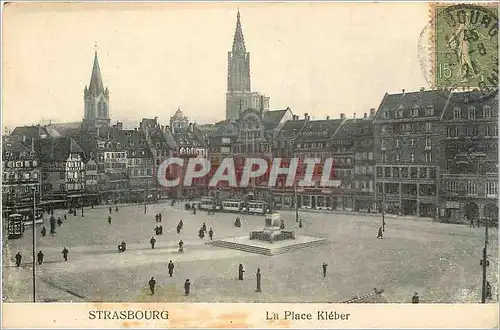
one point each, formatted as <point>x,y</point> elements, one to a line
<point>207,203</point>
<point>232,205</point>
<point>15,226</point>
<point>257,207</point>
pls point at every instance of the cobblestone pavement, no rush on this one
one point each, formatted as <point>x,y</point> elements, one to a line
<point>439,261</point>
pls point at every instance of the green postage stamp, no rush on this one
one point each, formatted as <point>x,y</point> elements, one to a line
<point>466,47</point>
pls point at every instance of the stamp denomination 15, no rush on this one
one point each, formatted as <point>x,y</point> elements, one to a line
<point>466,45</point>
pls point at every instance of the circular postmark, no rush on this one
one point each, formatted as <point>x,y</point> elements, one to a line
<point>458,50</point>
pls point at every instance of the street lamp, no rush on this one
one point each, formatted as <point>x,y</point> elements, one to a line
<point>83,188</point>
<point>34,244</point>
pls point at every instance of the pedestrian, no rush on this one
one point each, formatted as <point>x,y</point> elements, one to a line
<point>65,254</point>
<point>44,231</point>
<point>300,223</point>
<point>282,225</point>
<point>380,233</point>
<point>204,227</point>
<point>152,241</point>
<point>19,258</point>
<point>65,217</point>
<point>152,284</point>
<point>259,278</point>
<point>383,224</point>
<point>415,299</point>
<point>181,246</point>
<point>241,270</point>
<point>159,217</point>
<point>187,286</point>
<point>201,233</point>
<point>211,234</point>
<point>39,257</point>
<point>110,210</point>
<point>160,229</point>
<point>156,217</point>
<point>109,219</point>
<point>59,222</point>
<point>170,268</point>
<point>488,290</point>
<point>156,230</point>
<point>324,268</point>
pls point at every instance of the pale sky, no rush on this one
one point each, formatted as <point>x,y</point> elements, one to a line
<point>319,58</point>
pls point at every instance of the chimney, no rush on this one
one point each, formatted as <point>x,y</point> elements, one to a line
<point>354,116</point>
<point>327,117</point>
<point>372,112</point>
<point>403,93</point>
<point>342,115</point>
<point>422,89</point>
<point>119,125</point>
<point>365,115</point>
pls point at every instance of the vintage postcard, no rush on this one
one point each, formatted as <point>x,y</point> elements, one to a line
<point>250,165</point>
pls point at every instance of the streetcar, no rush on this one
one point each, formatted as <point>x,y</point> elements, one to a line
<point>232,205</point>
<point>257,207</point>
<point>207,203</point>
<point>15,226</point>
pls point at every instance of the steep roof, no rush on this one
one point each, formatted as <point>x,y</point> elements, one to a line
<point>291,128</point>
<point>30,131</point>
<point>63,129</point>
<point>355,128</point>
<point>271,119</point>
<point>412,100</point>
<point>96,86</point>
<point>319,130</point>
<point>50,150</point>
<point>238,40</point>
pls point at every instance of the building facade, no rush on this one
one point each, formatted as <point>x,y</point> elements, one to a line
<point>469,168</point>
<point>408,152</point>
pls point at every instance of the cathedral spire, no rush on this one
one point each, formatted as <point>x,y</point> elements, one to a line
<point>238,41</point>
<point>96,84</point>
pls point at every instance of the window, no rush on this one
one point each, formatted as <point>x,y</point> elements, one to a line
<point>486,111</point>
<point>428,143</point>
<point>428,127</point>
<point>62,175</point>
<point>428,157</point>
<point>452,131</point>
<point>432,173</point>
<point>429,111</point>
<point>383,144</point>
<point>491,130</point>
<point>386,114</point>
<point>491,188</point>
<point>370,155</point>
<point>412,142</point>
<point>412,157</point>
<point>384,157</point>
<point>414,112</point>
<point>471,187</point>
<point>457,114</point>
<point>397,142</point>
<point>452,186</point>
<point>471,131</point>
<point>387,172</point>
<point>472,113</point>
<point>398,158</point>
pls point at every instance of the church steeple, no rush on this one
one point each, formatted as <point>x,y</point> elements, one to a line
<point>96,84</point>
<point>238,41</point>
<point>96,99</point>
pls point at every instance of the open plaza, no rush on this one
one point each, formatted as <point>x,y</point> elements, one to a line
<point>441,262</point>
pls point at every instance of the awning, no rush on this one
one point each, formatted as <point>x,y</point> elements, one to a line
<point>52,201</point>
<point>75,196</point>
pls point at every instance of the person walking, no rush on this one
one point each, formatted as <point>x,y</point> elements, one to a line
<point>19,258</point>
<point>415,299</point>
<point>211,234</point>
<point>152,241</point>
<point>181,246</point>
<point>241,270</point>
<point>39,257</point>
<point>187,287</point>
<point>65,254</point>
<point>380,235</point>
<point>170,268</point>
<point>325,265</point>
<point>152,284</point>
<point>44,231</point>
<point>259,279</point>
<point>109,219</point>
